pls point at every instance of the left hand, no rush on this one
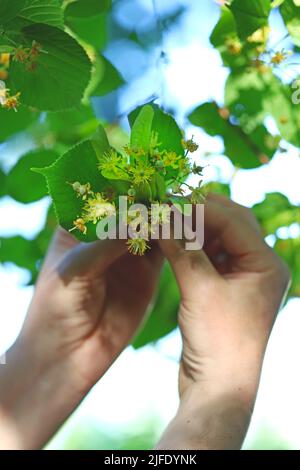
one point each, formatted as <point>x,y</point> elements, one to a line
<point>89,302</point>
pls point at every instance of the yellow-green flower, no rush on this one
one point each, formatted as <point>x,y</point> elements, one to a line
<point>7,101</point>
<point>177,189</point>
<point>141,174</point>
<point>171,159</point>
<point>184,166</point>
<point>134,152</point>
<point>197,170</point>
<point>96,208</point>
<point>79,224</point>
<point>5,59</point>
<point>280,56</point>
<point>190,145</point>
<point>12,102</point>
<point>3,92</point>
<point>137,246</point>
<point>82,190</point>
<point>234,46</point>
<point>197,196</point>
<point>111,161</point>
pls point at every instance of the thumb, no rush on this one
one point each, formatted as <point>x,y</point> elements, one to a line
<point>192,268</point>
<point>71,258</point>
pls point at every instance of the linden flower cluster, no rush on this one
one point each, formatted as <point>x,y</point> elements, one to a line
<point>28,55</point>
<point>140,171</point>
<point>96,207</point>
<point>259,56</point>
<point>280,56</point>
<point>25,55</point>
<point>6,100</point>
<point>4,65</point>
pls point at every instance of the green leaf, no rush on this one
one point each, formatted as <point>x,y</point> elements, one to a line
<point>105,78</point>
<point>11,123</point>
<point>183,204</point>
<point>251,96</point>
<point>236,53</point>
<point>278,102</point>
<point>245,150</point>
<point>224,29</point>
<point>163,317</point>
<point>245,94</point>
<point>142,128</point>
<point>277,3</point>
<point>291,15</point>
<point>28,254</point>
<point>43,11</point>
<point>158,188</point>
<point>22,184</point>
<point>100,142</point>
<point>37,11</point>
<point>62,70</point>
<point>78,164</point>
<point>6,49</point>
<point>115,175</point>
<point>9,9</point>
<point>289,250</point>
<point>85,8</point>
<point>276,211</point>
<point>250,15</point>
<point>143,193</point>
<point>164,125</point>
<point>92,30</point>
<point>68,127</point>
<point>217,188</point>
<point>20,251</point>
<point>169,134</point>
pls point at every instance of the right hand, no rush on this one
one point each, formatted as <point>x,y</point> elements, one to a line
<point>231,293</point>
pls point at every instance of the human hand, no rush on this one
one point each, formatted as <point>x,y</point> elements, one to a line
<point>89,301</point>
<point>231,293</point>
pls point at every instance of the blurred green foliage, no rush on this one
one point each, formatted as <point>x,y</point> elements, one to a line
<point>91,435</point>
<point>253,92</point>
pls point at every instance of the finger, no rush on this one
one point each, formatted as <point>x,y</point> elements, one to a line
<point>226,201</point>
<point>217,256</point>
<point>236,228</point>
<point>72,258</point>
<point>91,259</point>
<point>155,256</point>
<point>244,212</point>
<point>61,243</point>
<point>191,268</point>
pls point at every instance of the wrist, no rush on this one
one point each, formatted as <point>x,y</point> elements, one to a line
<point>208,420</point>
<point>230,373</point>
<point>36,396</point>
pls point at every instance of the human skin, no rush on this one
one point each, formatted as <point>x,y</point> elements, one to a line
<point>89,301</point>
<point>231,293</point>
